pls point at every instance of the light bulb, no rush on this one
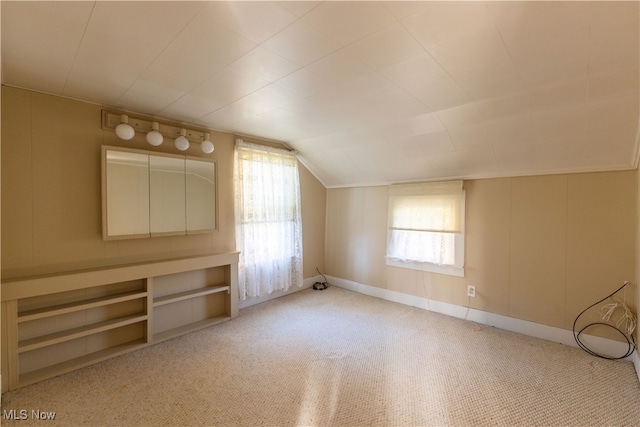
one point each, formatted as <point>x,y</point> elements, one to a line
<point>206,146</point>
<point>124,130</point>
<point>181,142</point>
<point>154,137</point>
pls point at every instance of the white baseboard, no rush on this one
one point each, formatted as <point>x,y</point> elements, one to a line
<point>636,363</point>
<point>306,283</point>
<point>524,327</point>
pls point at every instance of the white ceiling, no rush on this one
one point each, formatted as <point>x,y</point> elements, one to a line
<point>367,92</point>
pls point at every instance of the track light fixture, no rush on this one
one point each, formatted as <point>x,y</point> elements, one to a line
<point>124,129</point>
<point>206,146</point>
<point>181,142</point>
<point>154,137</point>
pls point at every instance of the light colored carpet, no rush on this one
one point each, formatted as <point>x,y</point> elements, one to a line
<point>337,358</point>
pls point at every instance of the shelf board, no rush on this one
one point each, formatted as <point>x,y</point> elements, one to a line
<point>82,331</point>
<point>79,362</point>
<point>172,333</point>
<point>181,296</point>
<point>79,305</point>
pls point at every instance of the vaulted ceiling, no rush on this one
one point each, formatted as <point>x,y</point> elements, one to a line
<point>366,92</point>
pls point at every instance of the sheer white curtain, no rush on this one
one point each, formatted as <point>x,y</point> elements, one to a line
<point>268,219</point>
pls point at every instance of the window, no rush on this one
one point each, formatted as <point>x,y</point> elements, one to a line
<point>268,219</point>
<point>426,227</point>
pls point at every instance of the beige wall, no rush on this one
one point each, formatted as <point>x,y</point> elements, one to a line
<point>51,192</point>
<point>313,196</point>
<point>3,350</point>
<point>537,248</point>
<point>637,282</point>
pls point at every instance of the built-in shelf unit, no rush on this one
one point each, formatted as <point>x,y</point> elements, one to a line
<point>53,324</point>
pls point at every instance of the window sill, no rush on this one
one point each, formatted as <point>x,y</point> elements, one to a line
<point>450,270</point>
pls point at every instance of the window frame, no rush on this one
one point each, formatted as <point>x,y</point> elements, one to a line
<point>457,269</point>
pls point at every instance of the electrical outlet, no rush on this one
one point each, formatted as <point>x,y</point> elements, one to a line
<point>471,291</point>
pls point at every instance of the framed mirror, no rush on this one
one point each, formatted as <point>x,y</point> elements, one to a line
<point>147,194</point>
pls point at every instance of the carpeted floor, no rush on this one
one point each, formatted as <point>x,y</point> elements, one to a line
<point>337,358</point>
